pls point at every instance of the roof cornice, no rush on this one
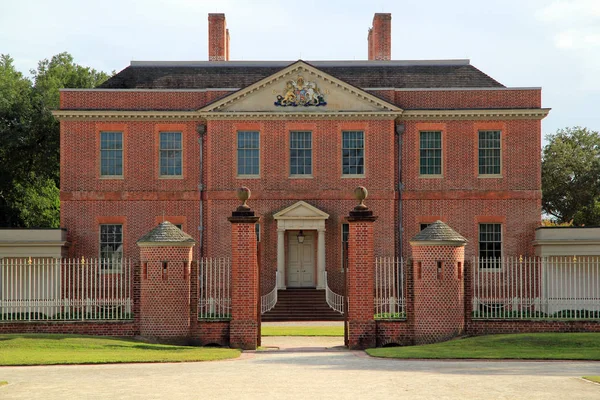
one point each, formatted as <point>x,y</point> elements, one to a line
<point>300,115</point>
<point>405,115</point>
<point>68,115</point>
<point>470,114</point>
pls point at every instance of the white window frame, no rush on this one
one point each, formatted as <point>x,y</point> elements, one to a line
<point>107,176</point>
<point>160,150</point>
<point>237,160</point>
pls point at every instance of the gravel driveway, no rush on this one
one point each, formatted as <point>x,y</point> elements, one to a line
<point>313,373</point>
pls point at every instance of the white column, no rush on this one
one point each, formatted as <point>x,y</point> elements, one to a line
<point>281,257</point>
<point>321,259</point>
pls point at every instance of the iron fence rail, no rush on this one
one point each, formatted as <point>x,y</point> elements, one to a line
<point>214,288</point>
<point>334,300</point>
<point>390,301</point>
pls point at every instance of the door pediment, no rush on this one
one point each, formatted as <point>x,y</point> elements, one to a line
<point>300,89</point>
<point>301,210</point>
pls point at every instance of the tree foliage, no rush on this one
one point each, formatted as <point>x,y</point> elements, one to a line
<point>571,176</point>
<point>29,150</point>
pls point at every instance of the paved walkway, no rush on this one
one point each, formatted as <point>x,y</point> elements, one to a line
<point>317,372</point>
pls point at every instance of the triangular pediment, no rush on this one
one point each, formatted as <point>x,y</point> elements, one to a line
<point>301,88</point>
<point>301,210</point>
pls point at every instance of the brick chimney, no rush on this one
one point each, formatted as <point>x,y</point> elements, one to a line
<point>380,37</point>
<point>218,38</point>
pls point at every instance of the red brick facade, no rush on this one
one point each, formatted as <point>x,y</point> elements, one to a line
<point>459,196</point>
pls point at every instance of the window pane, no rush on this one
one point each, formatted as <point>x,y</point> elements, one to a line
<point>248,153</point>
<point>345,232</point>
<point>489,152</point>
<point>430,153</point>
<point>170,159</point>
<point>300,153</point>
<point>111,246</point>
<point>111,153</point>
<point>490,245</point>
<point>353,149</point>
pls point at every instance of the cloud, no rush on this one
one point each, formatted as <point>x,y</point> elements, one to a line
<point>575,29</point>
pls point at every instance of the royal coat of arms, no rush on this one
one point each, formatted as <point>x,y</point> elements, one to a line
<point>300,93</point>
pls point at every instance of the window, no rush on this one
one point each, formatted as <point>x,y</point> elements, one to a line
<point>300,153</point>
<point>345,234</point>
<point>489,152</point>
<point>423,226</point>
<point>247,153</point>
<point>430,159</point>
<point>353,153</point>
<point>111,246</point>
<point>111,153</point>
<point>170,158</point>
<point>257,231</point>
<point>490,245</point>
<point>180,226</point>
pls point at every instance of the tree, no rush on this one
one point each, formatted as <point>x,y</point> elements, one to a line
<point>29,152</point>
<point>571,176</point>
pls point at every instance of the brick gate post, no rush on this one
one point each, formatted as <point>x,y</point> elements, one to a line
<point>438,284</point>
<point>361,270</point>
<point>165,255</point>
<point>243,328</point>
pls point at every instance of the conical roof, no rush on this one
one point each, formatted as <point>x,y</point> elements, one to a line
<point>439,232</point>
<point>166,232</point>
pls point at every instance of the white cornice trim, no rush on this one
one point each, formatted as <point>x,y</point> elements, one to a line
<point>299,115</point>
<point>406,115</point>
<point>67,115</point>
<point>533,113</point>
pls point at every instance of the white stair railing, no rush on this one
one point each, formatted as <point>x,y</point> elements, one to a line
<point>268,301</point>
<point>334,300</point>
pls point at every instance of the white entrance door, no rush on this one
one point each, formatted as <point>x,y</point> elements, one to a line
<point>301,260</point>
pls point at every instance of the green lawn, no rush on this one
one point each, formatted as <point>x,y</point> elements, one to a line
<point>37,349</point>
<point>592,378</point>
<point>541,346</point>
<point>302,331</point>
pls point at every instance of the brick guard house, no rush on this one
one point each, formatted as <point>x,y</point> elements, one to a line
<point>432,140</point>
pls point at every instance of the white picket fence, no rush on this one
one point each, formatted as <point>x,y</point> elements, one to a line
<point>214,288</point>
<point>537,288</point>
<point>65,289</point>
<point>390,301</point>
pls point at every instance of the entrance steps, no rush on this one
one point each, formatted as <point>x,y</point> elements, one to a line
<point>301,305</point>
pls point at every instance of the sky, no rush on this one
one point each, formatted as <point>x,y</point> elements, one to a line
<point>553,44</point>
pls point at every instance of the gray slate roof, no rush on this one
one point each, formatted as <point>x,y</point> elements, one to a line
<point>439,231</point>
<point>237,75</point>
<point>166,232</point>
